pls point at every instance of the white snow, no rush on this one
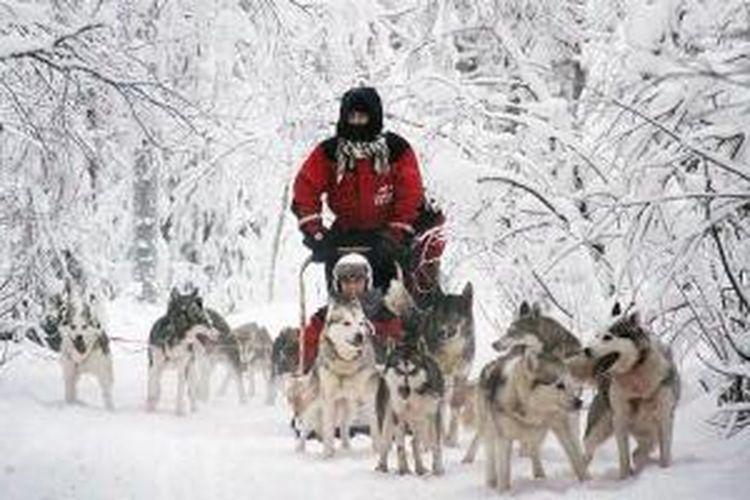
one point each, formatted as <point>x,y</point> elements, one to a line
<point>49,450</point>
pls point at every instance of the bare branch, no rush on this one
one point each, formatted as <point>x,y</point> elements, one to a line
<point>529,190</point>
<point>725,264</point>
<point>728,165</point>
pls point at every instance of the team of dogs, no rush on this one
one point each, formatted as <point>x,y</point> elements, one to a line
<point>419,389</point>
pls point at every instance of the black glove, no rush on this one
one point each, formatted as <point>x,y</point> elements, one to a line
<point>320,245</point>
<point>391,249</point>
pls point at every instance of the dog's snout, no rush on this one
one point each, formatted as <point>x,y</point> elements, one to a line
<point>359,338</point>
<point>577,403</point>
<point>587,352</point>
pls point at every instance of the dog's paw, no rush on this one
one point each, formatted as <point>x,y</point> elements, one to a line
<point>438,470</point>
<point>403,470</point>
<point>381,468</point>
<point>420,470</point>
<point>328,453</point>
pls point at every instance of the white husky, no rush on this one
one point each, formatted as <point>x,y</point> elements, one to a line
<point>84,348</point>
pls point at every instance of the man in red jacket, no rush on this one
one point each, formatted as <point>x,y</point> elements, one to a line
<point>372,183</point>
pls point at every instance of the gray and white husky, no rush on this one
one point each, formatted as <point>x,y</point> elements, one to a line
<point>255,354</point>
<point>180,340</point>
<point>522,395</point>
<point>345,370</point>
<point>84,347</point>
<point>409,398</point>
<point>448,329</point>
<point>532,329</point>
<point>643,390</point>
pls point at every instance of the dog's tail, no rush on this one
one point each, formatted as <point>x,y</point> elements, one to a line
<point>382,398</point>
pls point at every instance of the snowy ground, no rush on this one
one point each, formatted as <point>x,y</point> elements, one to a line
<point>52,451</point>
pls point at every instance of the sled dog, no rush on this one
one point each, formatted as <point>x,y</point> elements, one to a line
<point>409,398</point>
<point>643,390</point>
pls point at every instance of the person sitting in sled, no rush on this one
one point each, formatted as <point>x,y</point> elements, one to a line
<point>352,279</point>
<point>372,184</point>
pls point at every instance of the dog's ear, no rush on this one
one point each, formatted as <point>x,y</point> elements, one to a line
<point>174,294</point>
<point>525,310</point>
<point>616,309</point>
<point>536,310</point>
<point>468,295</point>
<point>634,319</point>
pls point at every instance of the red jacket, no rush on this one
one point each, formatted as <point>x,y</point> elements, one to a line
<point>362,200</point>
<point>390,328</point>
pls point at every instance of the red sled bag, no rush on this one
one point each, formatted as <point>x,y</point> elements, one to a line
<point>426,249</point>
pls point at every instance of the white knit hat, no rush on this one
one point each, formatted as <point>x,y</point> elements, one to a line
<point>352,264</point>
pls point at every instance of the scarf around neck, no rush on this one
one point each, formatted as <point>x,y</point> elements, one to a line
<point>348,152</point>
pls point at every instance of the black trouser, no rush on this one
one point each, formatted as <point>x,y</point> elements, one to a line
<point>381,261</point>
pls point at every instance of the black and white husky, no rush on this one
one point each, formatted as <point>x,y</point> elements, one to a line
<point>409,398</point>
<point>179,341</point>
<point>84,347</point>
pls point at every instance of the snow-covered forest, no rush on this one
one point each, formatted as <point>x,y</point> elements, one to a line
<point>584,151</point>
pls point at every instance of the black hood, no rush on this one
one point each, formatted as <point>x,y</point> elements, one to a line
<point>367,100</point>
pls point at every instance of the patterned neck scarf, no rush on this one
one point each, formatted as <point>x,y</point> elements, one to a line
<point>348,152</point>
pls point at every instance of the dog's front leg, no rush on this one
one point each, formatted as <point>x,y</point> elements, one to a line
<point>192,384</point>
<point>251,369</point>
<point>106,380</point>
<point>598,430</point>
<point>571,445</point>
<point>270,387</point>
<point>471,452</point>
<point>436,440</point>
<point>537,468</point>
<point>666,427</point>
<point>385,441</point>
<point>403,464</point>
<point>418,438</point>
<point>181,379</point>
<point>504,449</point>
<point>347,408</point>
<point>154,380</point>
<point>450,425</point>
<point>489,444</point>
<point>328,423</point>
<point>455,404</point>
<point>69,378</point>
<point>237,371</point>
<point>620,426</point>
